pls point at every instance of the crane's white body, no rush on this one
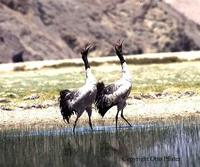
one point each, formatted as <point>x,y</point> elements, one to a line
<point>85,95</point>
<point>121,88</point>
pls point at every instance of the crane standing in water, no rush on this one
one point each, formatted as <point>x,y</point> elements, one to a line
<point>82,99</point>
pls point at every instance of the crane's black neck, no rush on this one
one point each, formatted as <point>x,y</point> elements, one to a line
<point>121,58</point>
<point>85,60</point>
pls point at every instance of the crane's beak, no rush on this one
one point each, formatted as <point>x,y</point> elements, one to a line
<point>87,47</point>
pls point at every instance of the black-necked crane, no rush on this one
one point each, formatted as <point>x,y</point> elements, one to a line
<point>117,93</point>
<point>82,99</point>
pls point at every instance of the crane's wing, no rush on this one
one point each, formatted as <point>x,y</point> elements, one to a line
<point>108,96</point>
<point>84,96</point>
<point>115,93</point>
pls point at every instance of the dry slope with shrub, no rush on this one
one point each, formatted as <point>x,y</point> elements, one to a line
<point>49,29</point>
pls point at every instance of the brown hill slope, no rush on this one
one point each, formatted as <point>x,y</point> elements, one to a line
<point>49,29</point>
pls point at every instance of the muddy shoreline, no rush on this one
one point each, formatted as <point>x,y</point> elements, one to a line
<point>138,111</point>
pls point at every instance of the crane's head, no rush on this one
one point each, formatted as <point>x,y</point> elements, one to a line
<point>85,50</point>
<point>84,54</point>
<point>119,51</point>
<point>118,47</point>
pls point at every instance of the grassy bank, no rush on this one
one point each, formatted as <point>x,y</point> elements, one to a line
<point>41,87</point>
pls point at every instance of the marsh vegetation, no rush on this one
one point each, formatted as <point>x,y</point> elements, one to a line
<point>172,144</point>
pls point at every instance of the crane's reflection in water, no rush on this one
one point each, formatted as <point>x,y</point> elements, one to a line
<point>176,144</point>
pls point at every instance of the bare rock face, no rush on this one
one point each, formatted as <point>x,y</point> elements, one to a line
<point>49,29</point>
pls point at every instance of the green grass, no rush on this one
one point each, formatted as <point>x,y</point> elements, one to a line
<point>47,83</point>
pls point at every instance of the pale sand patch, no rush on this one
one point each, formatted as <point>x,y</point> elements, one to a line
<point>137,111</point>
<point>149,58</point>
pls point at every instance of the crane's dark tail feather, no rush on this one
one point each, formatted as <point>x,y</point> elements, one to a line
<point>64,105</point>
<point>100,102</point>
<point>100,88</point>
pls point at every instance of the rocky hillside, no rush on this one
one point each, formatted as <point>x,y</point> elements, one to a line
<point>49,29</point>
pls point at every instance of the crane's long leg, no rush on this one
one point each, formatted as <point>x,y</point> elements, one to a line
<point>122,115</point>
<point>89,111</point>
<point>75,123</point>
<point>116,118</point>
<point>78,115</point>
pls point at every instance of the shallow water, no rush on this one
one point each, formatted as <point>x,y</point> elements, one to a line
<point>176,144</point>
